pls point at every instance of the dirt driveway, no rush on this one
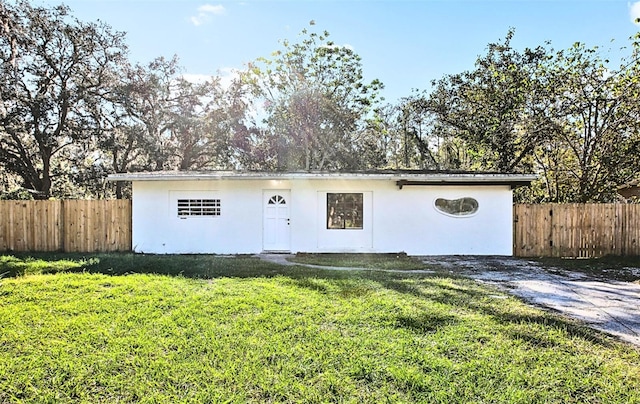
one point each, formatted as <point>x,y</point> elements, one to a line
<point>607,305</point>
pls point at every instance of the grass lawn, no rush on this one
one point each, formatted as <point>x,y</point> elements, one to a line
<point>398,261</point>
<point>128,328</point>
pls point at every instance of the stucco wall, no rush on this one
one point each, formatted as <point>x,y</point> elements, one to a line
<point>394,220</point>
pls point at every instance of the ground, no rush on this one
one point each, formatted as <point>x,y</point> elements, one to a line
<point>598,298</point>
<point>602,293</point>
<point>156,328</point>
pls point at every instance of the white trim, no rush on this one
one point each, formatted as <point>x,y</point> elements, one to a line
<point>444,178</point>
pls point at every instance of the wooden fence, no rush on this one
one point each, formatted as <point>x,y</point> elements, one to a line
<point>547,230</point>
<point>69,225</point>
<point>576,230</point>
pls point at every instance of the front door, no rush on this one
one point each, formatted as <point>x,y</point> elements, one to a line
<point>277,235</point>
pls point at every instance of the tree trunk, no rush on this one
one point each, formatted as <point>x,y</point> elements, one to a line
<point>119,189</point>
<point>44,191</point>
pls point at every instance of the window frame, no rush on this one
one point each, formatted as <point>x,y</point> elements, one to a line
<point>457,216</point>
<point>198,207</point>
<point>340,210</point>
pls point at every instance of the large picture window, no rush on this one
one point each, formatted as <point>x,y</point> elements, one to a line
<point>344,210</point>
<point>198,207</point>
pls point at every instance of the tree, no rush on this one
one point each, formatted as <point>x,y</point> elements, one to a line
<point>147,95</point>
<point>316,103</point>
<point>53,68</point>
<point>210,128</point>
<point>424,142</point>
<point>123,143</point>
<point>566,115</point>
<point>500,109</point>
<point>179,124</point>
<point>194,122</point>
<point>597,145</point>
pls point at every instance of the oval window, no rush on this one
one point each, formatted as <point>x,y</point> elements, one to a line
<point>457,207</point>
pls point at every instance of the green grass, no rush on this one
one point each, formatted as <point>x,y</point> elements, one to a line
<point>258,332</point>
<point>399,261</point>
<point>190,266</point>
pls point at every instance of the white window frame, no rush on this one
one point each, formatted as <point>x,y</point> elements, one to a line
<point>195,198</point>
<point>457,216</point>
<point>198,207</point>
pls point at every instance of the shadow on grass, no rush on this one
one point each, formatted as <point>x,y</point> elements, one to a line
<point>381,261</point>
<point>425,323</point>
<point>429,287</point>
<point>484,301</point>
<point>189,266</point>
<point>574,329</point>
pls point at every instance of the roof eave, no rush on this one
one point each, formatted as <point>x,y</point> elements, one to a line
<point>401,179</point>
<point>514,183</point>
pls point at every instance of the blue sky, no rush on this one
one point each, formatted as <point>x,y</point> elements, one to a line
<point>405,44</point>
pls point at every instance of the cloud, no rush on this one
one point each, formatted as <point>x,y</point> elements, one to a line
<point>205,12</point>
<point>634,12</point>
<point>209,8</point>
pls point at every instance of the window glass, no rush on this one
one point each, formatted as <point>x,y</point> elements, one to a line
<point>344,210</point>
<point>277,200</point>
<point>198,207</point>
<point>457,207</point>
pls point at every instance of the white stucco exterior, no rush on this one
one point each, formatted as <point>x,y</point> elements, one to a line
<point>395,219</point>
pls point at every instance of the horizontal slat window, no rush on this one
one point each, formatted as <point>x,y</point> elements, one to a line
<point>198,207</point>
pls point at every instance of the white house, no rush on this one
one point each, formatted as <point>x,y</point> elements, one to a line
<point>420,213</point>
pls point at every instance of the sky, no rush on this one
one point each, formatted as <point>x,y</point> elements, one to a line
<point>405,44</point>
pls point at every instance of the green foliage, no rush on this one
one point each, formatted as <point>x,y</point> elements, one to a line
<point>315,101</point>
<point>178,124</point>
<point>16,194</point>
<point>293,335</point>
<point>499,109</point>
<point>53,69</point>
<point>596,145</point>
<point>193,266</point>
<point>21,266</point>
<point>159,120</point>
<point>566,115</point>
<point>75,109</point>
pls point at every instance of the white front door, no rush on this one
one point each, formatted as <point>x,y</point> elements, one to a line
<point>277,235</point>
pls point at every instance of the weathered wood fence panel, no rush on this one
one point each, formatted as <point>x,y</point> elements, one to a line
<point>69,225</point>
<point>576,230</point>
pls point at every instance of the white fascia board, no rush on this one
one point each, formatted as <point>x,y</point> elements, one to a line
<point>427,178</point>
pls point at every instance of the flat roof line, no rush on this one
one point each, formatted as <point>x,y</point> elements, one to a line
<point>401,178</point>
